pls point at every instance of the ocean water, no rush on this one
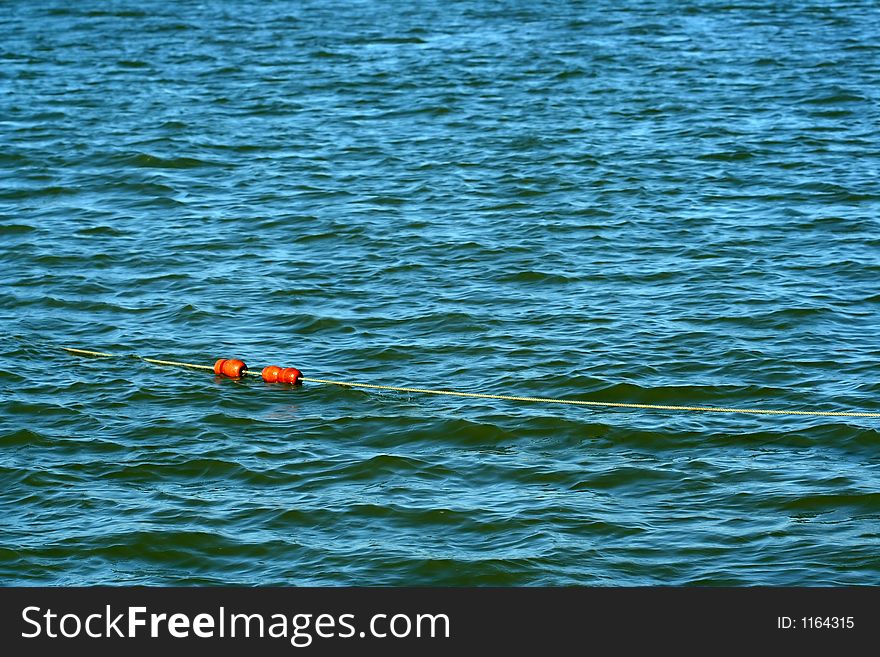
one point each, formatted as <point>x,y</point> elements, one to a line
<point>636,201</point>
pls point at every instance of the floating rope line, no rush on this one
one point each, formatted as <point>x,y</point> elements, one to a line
<point>274,374</point>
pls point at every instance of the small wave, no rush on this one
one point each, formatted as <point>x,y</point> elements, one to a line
<point>821,502</point>
<point>727,156</point>
<point>148,161</point>
<point>629,477</point>
<point>834,97</point>
<point>16,229</point>
<point>132,63</point>
<point>24,437</point>
<point>536,277</point>
<point>178,470</point>
<point>101,231</point>
<point>122,13</point>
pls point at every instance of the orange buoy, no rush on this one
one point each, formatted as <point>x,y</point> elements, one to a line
<point>270,373</point>
<point>233,368</point>
<point>275,374</point>
<point>290,375</point>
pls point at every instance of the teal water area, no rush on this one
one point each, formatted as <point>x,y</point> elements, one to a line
<point>652,202</point>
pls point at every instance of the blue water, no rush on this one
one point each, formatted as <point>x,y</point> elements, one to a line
<point>651,202</point>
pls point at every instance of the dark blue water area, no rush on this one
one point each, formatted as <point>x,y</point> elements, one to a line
<point>652,202</point>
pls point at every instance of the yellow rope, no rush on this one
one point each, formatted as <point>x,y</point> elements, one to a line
<point>174,363</point>
<point>480,395</point>
<point>87,352</point>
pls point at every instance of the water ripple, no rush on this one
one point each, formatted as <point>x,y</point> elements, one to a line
<point>650,202</point>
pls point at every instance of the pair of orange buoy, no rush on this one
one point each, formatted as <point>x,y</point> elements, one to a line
<point>275,374</point>
<point>235,369</point>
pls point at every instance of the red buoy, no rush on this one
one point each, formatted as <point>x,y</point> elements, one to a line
<point>232,368</point>
<point>290,375</point>
<point>275,374</point>
<point>270,373</point>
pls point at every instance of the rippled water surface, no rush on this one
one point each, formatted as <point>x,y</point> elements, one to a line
<point>642,201</point>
